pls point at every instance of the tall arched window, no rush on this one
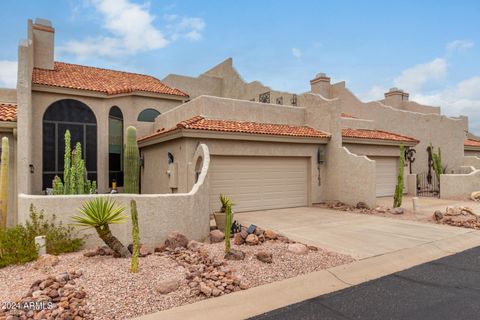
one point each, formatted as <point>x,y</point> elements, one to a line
<point>115,145</point>
<point>79,119</point>
<point>148,115</point>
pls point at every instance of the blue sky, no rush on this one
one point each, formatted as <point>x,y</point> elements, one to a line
<point>429,48</point>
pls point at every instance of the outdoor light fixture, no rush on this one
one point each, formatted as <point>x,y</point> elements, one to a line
<point>32,168</point>
<point>142,161</point>
<point>321,155</point>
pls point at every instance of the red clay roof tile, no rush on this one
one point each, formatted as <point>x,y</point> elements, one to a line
<point>472,143</point>
<point>346,115</point>
<point>111,82</point>
<point>201,123</point>
<point>375,135</point>
<point>8,112</point>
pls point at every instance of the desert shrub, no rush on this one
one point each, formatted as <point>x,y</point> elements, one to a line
<point>16,246</point>
<point>59,238</point>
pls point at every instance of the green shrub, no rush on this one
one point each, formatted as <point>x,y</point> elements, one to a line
<point>59,238</point>
<point>16,246</point>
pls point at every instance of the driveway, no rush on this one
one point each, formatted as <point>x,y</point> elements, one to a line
<point>361,236</point>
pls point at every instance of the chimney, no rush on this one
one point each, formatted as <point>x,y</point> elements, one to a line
<point>43,42</point>
<point>395,98</point>
<point>321,85</point>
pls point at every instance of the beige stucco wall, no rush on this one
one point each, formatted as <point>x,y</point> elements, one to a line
<point>459,185</point>
<point>357,123</point>
<point>130,106</point>
<point>8,95</point>
<point>158,213</point>
<point>12,173</point>
<point>444,132</point>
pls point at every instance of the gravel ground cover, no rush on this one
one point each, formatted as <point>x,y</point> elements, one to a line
<point>112,292</point>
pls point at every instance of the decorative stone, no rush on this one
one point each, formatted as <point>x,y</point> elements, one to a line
<point>46,261</point>
<point>438,215</point>
<point>90,254</point>
<point>216,236</point>
<point>475,196</point>
<point>297,248</point>
<point>194,245</point>
<point>381,209</point>
<point>206,290</point>
<point>362,205</point>
<point>244,233</point>
<point>312,248</point>
<point>397,210</point>
<point>265,257</point>
<point>160,248</point>
<point>167,286</point>
<point>143,250</point>
<point>175,240</point>
<point>238,239</point>
<point>216,292</point>
<point>251,239</point>
<point>259,231</point>
<point>270,235</point>
<point>235,255</point>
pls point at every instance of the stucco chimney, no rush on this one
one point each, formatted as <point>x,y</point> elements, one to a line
<point>43,43</point>
<point>321,85</point>
<point>395,97</point>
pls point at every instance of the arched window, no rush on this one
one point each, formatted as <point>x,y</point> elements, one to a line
<point>80,120</point>
<point>115,145</point>
<point>148,115</point>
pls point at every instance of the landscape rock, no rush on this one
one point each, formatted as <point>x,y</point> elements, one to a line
<point>297,248</point>
<point>312,248</point>
<point>362,205</point>
<point>397,210</point>
<point>175,240</point>
<point>235,255</point>
<point>216,236</point>
<point>259,231</point>
<point>167,286</point>
<point>238,239</point>
<point>270,235</point>
<point>265,257</point>
<point>143,250</point>
<point>46,261</point>
<point>160,248</point>
<point>206,290</point>
<point>475,196</point>
<point>194,245</point>
<point>90,254</point>
<point>251,239</point>
<point>381,209</point>
<point>244,233</point>
<point>438,215</point>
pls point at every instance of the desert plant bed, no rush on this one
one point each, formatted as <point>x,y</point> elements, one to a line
<point>95,285</point>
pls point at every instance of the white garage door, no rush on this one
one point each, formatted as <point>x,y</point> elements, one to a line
<point>258,183</point>
<point>386,175</point>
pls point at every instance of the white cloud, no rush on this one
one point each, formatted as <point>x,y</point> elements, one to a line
<point>459,45</point>
<point>297,53</point>
<point>8,73</point>
<point>414,78</point>
<point>189,28</point>
<point>129,29</point>
<point>375,93</point>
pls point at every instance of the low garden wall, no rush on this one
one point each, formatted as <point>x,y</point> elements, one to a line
<point>459,185</point>
<point>158,214</point>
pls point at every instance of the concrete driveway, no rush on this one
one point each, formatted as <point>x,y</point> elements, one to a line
<point>361,236</point>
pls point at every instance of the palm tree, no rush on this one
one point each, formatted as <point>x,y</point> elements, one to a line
<point>99,213</point>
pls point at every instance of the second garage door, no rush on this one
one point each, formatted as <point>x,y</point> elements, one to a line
<point>259,183</point>
<point>386,175</point>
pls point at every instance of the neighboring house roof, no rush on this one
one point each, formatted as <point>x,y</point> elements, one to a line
<point>376,135</point>
<point>111,82</point>
<point>201,123</point>
<point>471,143</point>
<point>346,115</point>
<point>8,112</point>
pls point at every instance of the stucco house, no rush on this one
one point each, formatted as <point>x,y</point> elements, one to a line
<point>268,149</point>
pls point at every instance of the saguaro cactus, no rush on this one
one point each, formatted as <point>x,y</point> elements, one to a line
<point>4,183</point>
<point>397,198</point>
<point>79,168</point>
<point>131,162</point>
<point>136,249</point>
<point>67,163</point>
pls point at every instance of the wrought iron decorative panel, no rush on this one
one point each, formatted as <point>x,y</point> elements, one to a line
<point>264,97</point>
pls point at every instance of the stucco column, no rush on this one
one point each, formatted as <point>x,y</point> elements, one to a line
<point>102,151</point>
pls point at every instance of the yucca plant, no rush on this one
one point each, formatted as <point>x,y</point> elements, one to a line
<point>99,213</point>
<point>225,202</point>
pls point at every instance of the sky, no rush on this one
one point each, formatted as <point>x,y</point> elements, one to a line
<point>431,49</point>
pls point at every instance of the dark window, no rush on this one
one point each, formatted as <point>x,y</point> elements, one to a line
<point>115,146</point>
<point>148,115</point>
<point>79,119</point>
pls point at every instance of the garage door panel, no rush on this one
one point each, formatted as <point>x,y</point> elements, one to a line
<point>386,175</point>
<point>259,183</point>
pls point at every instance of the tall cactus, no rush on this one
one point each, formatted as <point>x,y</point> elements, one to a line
<point>67,163</point>
<point>78,167</point>
<point>228,227</point>
<point>131,162</point>
<point>136,249</point>
<point>397,198</point>
<point>4,183</point>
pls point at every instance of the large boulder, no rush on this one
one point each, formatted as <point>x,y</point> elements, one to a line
<point>251,239</point>
<point>176,240</point>
<point>297,248</point>
<point>270,235</point>
<point>475,196</point>
<point>216,236</point>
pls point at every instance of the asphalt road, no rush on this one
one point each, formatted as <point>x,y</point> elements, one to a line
<point>448,288</point>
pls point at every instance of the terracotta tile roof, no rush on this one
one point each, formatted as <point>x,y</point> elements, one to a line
<point>201,123</point>
<point>375,135</point>
<point>346,115</point>
<point>111,82</point>
<point>472,143</point>
<point>8,112</point>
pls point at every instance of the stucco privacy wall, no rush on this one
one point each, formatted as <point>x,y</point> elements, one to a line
<point>441,131</point>
<point>158,214</point>
<point>459,185</point>
<point>357,123</point>
<point>130,106</point>
<point>231,109</point>
<point>349,178</point>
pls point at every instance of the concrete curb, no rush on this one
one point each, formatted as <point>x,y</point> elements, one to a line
<point>261,299</point>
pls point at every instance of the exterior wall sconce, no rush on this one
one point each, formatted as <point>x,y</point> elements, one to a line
<point>32,168</point>
<point>142,161</point>
<point>321,155</point>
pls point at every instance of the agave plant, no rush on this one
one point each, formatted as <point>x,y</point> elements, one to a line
<point>99,213</point>
<point>225,202</point>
